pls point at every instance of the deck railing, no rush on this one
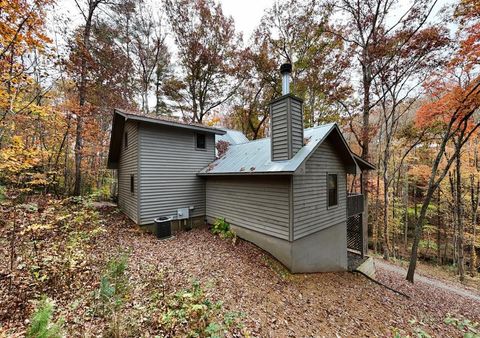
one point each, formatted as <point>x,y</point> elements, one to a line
<point>354,204</point>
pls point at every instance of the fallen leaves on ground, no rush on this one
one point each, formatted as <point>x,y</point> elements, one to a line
<point>243,277</point>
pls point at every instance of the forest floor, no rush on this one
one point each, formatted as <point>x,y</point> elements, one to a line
<point>254,295</point>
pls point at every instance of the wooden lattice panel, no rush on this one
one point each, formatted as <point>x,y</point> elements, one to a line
<point>354,233</point>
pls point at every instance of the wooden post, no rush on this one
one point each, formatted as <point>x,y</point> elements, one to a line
<point>364,219</point>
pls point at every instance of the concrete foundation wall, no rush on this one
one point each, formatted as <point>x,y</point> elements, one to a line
<point>279,248</point>
<point>325,250</point>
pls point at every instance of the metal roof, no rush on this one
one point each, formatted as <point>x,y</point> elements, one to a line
<point>254,157</point>
<point>232,136</point>
<point>166,121</point>
<point>364,165</point>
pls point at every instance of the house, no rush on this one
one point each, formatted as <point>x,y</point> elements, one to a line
<point>286,193</point>
<point>157,162</point>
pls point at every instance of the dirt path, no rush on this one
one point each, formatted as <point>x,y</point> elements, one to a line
<point>457,289</point>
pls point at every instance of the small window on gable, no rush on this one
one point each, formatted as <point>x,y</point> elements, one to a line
<point>200,141</point>
<point>332,188</point>
<point>126,140</point>
<point>132,183</point>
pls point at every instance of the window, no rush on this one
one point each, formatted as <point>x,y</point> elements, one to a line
<point>126,140</point>
<point>132,183</point>
<point>200,141</point>
<point>332,187</point>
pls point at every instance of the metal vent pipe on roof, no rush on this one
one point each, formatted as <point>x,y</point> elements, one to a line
<point>286,70</point>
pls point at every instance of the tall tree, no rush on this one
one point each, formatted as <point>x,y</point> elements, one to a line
<point>453,112</point>
<point>297,31</point>
<point>458,98</point>
<point>367,31</point>
<point>87,11</point>
<point>208,48</point>
<point>123,16</point>
<point>106,70</point>
<point>397,88</point>
<point>369,25</point>
<point>293,31</point>
<point>22,40</point>
<point>150,54</point>
<point>251,108</point>
<point>162,74</point>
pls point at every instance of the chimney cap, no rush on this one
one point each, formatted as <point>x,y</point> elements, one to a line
<point>286,68</point>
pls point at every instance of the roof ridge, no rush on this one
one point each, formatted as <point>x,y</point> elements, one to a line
<point>268,138</point>
<point>253,141</point>
<point>230,129</point>
<point>165,119</point>
<point>322,125</point>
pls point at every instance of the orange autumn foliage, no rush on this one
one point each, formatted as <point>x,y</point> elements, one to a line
<point>452,103</point>
<point>455,93</point>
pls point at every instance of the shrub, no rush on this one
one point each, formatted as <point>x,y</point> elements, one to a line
<point>102,193</point>
<point>466,326</point>
<point>113,285</point>
<point>111,295</point>
<point>41,322</point>
<point>191,314</point>
<point>222,228</point>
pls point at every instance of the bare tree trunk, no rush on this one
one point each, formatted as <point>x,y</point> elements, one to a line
<point>405,239</point>
<point>311,103</point>
<point>377,209</point>
<point>395,192</point>
<point>393,229</point>
<point>445,246</point>
<point>474,193</point>
<point>82,94</point>
<point>473,253</point>
<point>453,190</point>
<point>367,80</point>
<point>437,177</point>
<point>439,229</point>
<point>418,233</point>
<point>376,230</point>
<point>386,201</point>
<point>415,206</point>
<point>461,230</point>
<point>158,93</point>
<point>77,190</point>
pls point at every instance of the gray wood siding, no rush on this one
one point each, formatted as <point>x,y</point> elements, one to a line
<point>279,118</point>
<point>310,212</point>
<point>255,203</point>
<point>297,126</point>
<point>128,165</point>
<point>286,116</point>
<point>169,163</point>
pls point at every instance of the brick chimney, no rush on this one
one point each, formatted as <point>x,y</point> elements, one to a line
<point>286,121</point>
